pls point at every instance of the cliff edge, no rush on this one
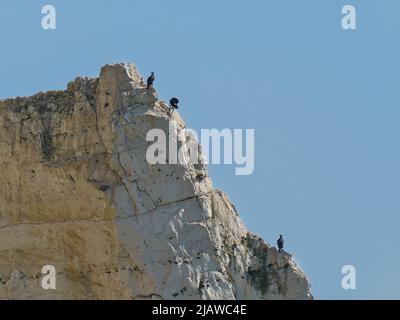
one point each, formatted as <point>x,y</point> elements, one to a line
<point>77,193</point>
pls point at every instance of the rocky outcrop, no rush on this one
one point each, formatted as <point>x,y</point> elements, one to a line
<point>77,193</point>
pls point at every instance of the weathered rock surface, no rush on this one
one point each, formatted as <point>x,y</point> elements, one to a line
<point>77,193</point>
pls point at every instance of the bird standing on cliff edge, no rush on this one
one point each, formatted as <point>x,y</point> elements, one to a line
<point>150,80</point>
<point>174,105</point>
<point>280,243</point>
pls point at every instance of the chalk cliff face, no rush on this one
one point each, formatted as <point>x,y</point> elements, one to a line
<point>77,193</point>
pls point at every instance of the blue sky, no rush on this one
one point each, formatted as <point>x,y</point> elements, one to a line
<point>324,103</point>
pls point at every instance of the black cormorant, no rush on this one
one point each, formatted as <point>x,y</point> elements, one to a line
<point>150,80</point>
<point>280,243</point>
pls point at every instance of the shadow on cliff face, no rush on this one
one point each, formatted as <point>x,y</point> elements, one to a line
<point>47,142</point>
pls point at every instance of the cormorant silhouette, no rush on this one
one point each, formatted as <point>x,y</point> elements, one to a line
<point>150,80</point>
<point>174,105</point>
<point>280,243</point>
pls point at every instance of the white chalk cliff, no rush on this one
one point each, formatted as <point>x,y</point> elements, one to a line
<point>77,193</point>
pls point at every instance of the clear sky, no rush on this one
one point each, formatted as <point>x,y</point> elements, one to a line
<point>324,103</point>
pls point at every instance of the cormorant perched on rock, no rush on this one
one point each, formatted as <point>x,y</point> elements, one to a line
<point>150,80</point>
<point>280,243</point>
<point>174,105</point>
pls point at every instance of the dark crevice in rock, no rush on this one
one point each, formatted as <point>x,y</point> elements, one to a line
<point>47,143</point>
